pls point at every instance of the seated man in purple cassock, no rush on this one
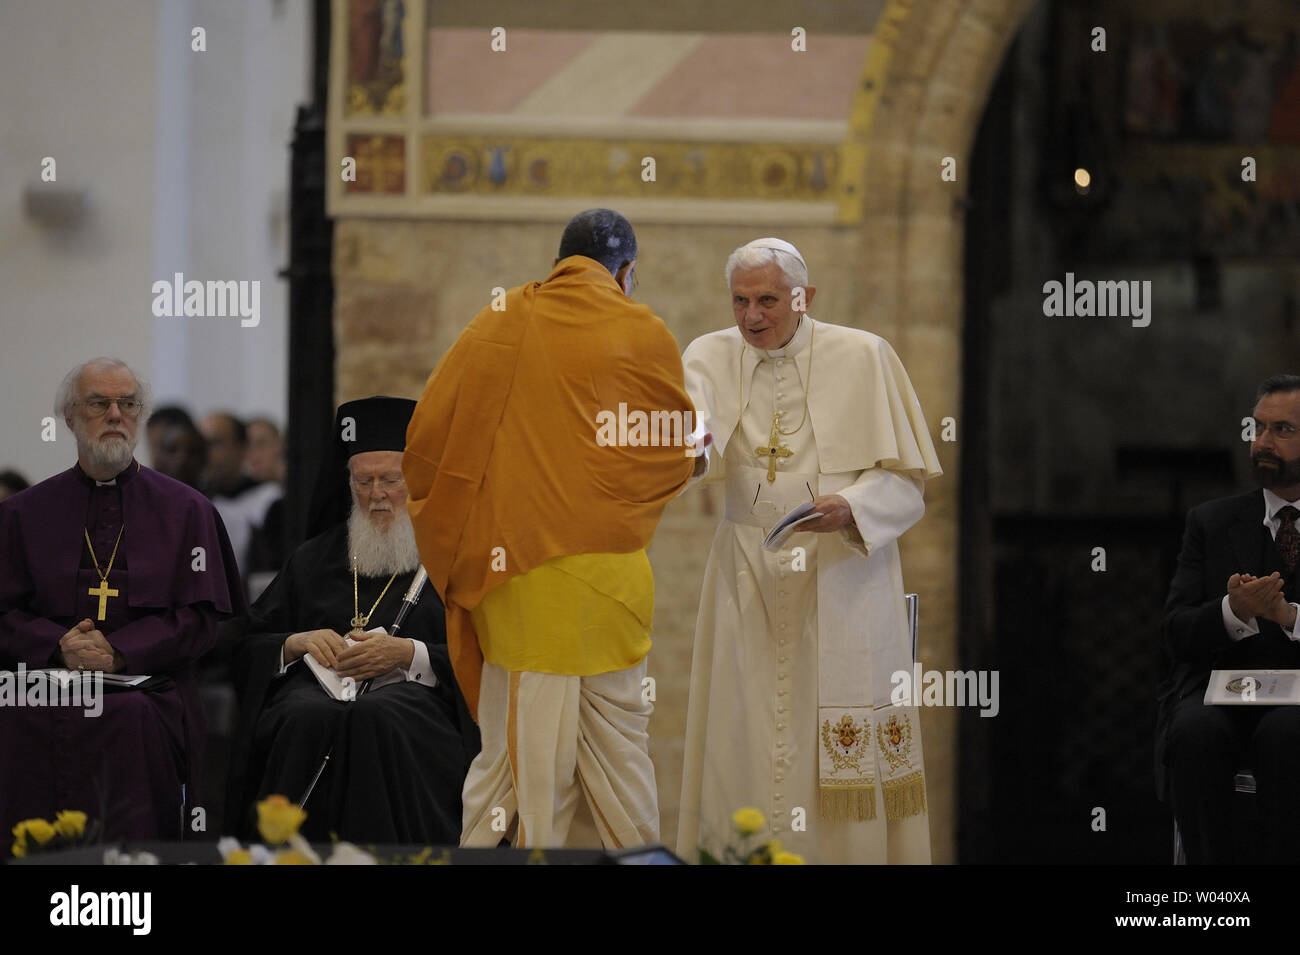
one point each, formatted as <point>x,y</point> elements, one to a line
<point>110,567</point>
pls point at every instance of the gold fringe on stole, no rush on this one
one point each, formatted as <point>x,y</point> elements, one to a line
<point>904,797</point>
<point>850,805</point>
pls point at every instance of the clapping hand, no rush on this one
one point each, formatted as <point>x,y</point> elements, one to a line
<point>1278,608</point>
<point>1250,596</point>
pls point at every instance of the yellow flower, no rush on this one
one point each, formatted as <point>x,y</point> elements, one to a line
<point>39,830</point>
<point>786,858</point>
<point>748,821</point>
<point>70,823</point>
<point>278,819</point>
<point>765,853</point>
<point>239,857</point>
<point>292,857</point>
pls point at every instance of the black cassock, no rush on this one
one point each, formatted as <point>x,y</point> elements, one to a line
<point>399,754</point>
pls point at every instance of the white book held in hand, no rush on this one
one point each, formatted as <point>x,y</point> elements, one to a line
<point>777,537</point>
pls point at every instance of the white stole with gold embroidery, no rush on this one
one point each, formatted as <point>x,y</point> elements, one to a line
<point>864,741</point>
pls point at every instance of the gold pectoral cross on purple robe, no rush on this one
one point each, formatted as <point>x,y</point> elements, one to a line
<point>103,592</point>
<point>774,449</point>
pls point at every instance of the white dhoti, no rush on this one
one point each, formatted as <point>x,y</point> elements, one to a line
<point>576,773</point>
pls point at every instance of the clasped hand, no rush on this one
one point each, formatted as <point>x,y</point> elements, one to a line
<point>86,648</point>
<point>371,655</point>
<point>1250,596</point>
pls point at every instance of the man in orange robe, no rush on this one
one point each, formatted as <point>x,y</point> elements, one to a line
<point>539,459</point>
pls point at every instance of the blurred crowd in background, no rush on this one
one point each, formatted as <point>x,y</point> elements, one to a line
<point>238,464</point>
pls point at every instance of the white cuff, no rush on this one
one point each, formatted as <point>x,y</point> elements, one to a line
<point>1290,634</point>
<point>853,537</point>
<point>1237,630</point>
<point>285,666</point>
<point>884,505</point>
<point>421,670</point>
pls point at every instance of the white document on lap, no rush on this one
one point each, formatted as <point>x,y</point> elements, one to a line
<point>344,688</point>
<point>1253,688</point>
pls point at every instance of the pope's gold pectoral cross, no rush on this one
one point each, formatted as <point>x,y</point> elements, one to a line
<point>774,449</point>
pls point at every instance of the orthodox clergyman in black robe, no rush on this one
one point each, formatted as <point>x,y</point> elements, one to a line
<point>398,754</point>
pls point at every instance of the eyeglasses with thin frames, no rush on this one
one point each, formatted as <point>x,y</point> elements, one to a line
<point>98,407</point>
<point>386,483</point>
<point>1279,429</point>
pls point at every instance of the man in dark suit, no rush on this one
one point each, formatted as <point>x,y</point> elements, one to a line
<point>1230,606</point>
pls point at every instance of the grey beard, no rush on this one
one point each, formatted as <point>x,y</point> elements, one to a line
<point>110,455</point>
<point>380,553</point>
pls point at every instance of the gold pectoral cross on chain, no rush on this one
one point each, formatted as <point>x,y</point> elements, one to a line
<point>103,592</point>
<point>774,449</point>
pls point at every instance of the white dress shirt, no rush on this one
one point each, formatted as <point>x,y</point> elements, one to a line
<point>1237,629</point>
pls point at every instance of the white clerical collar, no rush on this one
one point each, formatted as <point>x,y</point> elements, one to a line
<point>111,482</point>
<point>802,336</point>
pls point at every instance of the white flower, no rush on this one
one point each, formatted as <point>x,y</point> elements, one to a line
<point>345,853</point>
<point>302,845</point>
<point>112,856</point>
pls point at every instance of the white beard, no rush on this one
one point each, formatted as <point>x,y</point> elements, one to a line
<point>381,553</point>
<point>107,455</point>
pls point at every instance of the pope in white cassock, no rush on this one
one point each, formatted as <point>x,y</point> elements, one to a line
<point>790,706</point>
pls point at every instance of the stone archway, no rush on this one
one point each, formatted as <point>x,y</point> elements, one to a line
<point>924,88</point>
